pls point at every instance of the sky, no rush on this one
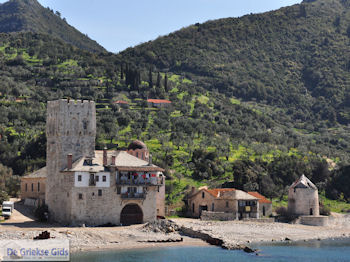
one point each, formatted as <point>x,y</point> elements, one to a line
<point>119,24</point>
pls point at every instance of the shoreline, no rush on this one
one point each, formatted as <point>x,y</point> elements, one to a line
<point>142,246</point>
<point>179,233</point>
<point>201,243</point>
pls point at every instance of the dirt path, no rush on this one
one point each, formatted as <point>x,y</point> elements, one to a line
<point>22,216</point>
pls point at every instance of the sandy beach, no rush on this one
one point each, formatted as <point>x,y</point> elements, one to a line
<point>161,234</point>
<point>235,233</point>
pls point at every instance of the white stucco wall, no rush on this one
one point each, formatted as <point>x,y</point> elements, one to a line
<point>85,179</point>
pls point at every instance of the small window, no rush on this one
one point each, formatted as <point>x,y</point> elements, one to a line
<point>97,178</point>
<point>104,178</point>
<point>119,190</point>
<point>193,207</point>
<point>212,207</point>
<point>38,186</point>
<point>26,187</point>
<point>32,187</point>
<point>226,203</point>
<point>80,196</point>
<point>100,192</point>
<point>79,178</point>
<point>203,195</point>
<point>137,154</point>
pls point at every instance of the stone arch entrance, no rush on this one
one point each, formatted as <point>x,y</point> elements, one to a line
<point>131,214</point>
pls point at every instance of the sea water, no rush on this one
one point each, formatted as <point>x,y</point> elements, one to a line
<point>315,251</point>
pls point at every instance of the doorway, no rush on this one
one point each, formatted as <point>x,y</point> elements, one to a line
<point>202,208</point>
<point>131,215</point>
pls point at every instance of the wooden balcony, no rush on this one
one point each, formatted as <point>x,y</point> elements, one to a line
<point>144,182</point>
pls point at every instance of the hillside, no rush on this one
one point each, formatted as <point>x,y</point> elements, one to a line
<point>295,58</point>
<point>30,16</point>
<point>213,132</point>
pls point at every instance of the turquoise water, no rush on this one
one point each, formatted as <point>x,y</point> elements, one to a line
<point>315,251</point>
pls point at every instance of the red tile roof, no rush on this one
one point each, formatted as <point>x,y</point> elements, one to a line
<point>215,192</point>
<point>261,198</point>
<point>121,102</point>
<point>158,101</point>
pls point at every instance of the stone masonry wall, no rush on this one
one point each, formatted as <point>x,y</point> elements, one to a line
<point>301,200</point>
<point>99,210</point>
<point>70,129</point>
<point>208,215</point>
<point>314,220</point>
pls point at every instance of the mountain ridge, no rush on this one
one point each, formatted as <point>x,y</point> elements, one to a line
<point>30,16</point>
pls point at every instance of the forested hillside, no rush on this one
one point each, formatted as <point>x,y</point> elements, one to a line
<point>295,58</point>
<point>30,16</point>
<point>257,100</point>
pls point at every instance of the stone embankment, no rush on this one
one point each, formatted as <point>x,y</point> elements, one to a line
<point>240,234</point>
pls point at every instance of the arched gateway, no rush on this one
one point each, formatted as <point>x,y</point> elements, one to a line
<point>131,214</point>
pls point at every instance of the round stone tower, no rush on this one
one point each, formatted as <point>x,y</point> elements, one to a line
<point>70,132</point>
<point>303,198</point>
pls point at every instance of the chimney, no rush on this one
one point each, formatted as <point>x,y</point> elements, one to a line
<point>105,156</point>
<point>113,160</point>
<point>150,160</point>
<point>69,161</point>
<point>193,190</point>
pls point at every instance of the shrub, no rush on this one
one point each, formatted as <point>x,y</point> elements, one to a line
<point>324,210</point>
<point>3,196</point>
<point>284,215</point>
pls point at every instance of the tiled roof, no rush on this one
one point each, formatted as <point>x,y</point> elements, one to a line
<point>123,162</point>
<point>158,101</point>
<point>228,193</point>
<point>303,182</point>
<point>216,191</point>
<point>261,198</point>
<point>137,144</point>
<point>41,173</point>
<point>121,102</point>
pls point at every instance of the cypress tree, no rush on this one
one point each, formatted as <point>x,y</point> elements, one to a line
<point>159,78</point>
<point>150,80</point>
<point>166,83</point>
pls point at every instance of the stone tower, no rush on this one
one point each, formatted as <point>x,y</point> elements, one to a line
<point>303,198</point>
<point>70,129</point>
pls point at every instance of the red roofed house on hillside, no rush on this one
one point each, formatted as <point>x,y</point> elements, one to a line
<point>265,205</point>
<point>121,103</point>
<point>228,203</point>
<point>158,102</point>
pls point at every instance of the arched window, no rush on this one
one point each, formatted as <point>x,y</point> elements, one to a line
<point>203,195</point>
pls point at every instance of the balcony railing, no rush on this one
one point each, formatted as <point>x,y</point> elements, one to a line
<point>149,182</point>
<point>133,196</point>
